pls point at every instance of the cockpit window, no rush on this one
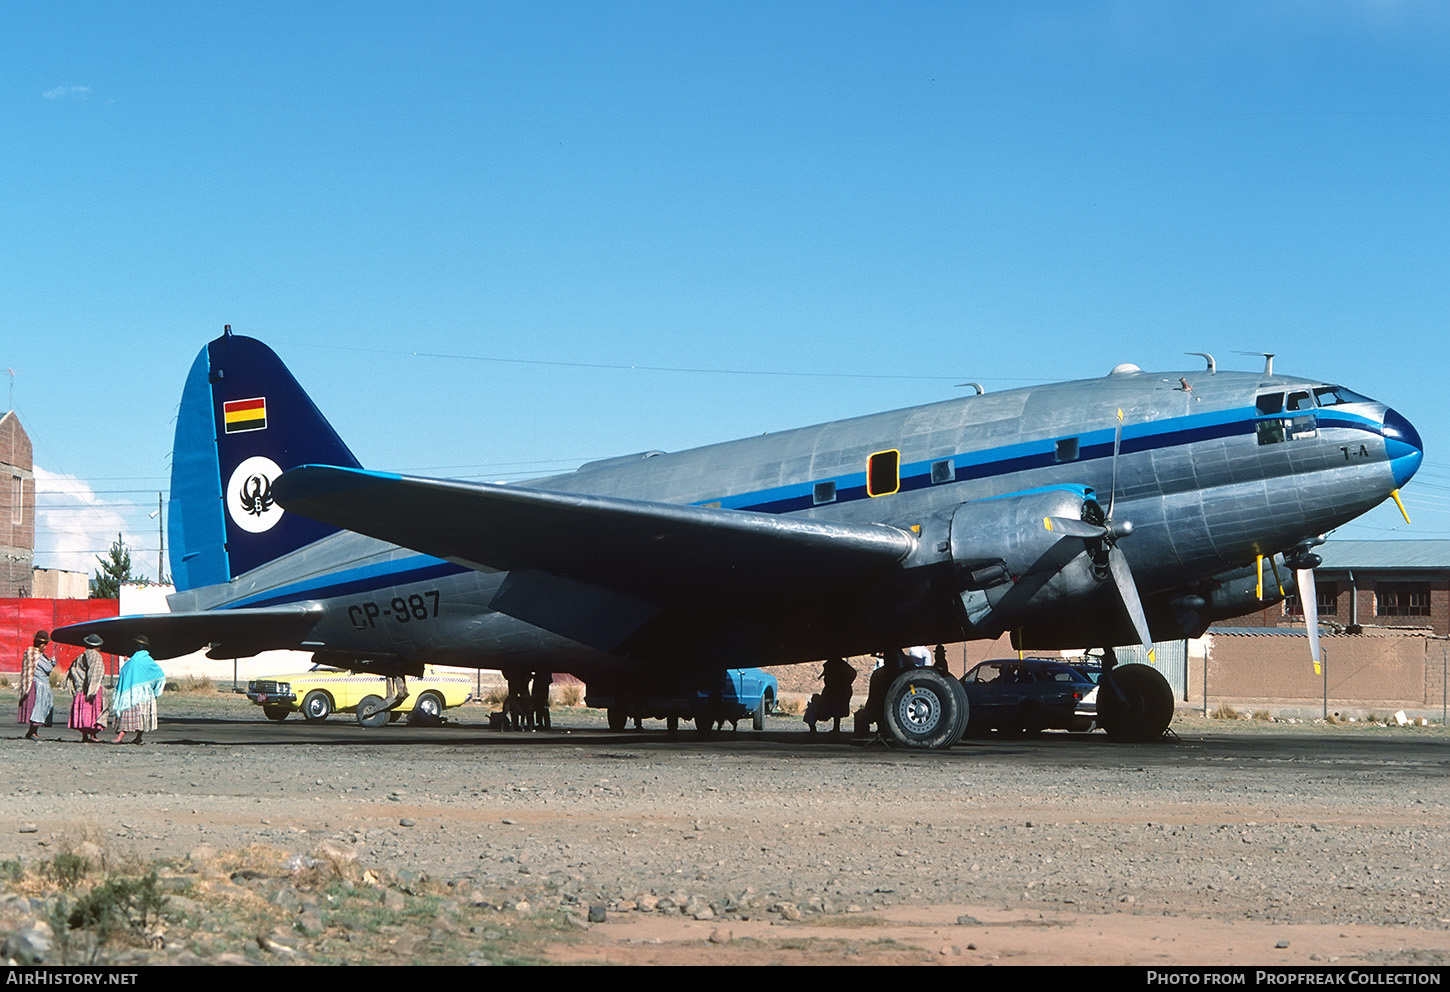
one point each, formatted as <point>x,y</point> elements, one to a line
<point>1335,395</point>
<point>1270,402</point>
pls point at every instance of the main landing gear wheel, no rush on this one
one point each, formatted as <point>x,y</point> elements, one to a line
<point>370,712</point>
<point>617,718</point>
<point>1135,703</point>
<point>925,708</point>
<point>275,713</point>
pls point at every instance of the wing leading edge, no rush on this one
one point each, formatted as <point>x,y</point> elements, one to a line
<point>658,552</point>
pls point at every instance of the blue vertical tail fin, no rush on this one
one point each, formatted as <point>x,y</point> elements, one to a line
<point>244,420</point>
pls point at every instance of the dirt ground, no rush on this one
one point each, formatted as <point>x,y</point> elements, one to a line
<point>1227,844</point>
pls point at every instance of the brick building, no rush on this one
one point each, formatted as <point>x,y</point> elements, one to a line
<point>17,508</point>
<point>1390,584</point>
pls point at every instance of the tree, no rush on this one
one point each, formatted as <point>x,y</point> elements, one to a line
<point>113,572</point>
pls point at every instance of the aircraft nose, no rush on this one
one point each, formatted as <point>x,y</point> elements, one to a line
<point>1403,446</point>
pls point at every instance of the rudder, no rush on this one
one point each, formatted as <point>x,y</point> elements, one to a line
<point>243,421</point>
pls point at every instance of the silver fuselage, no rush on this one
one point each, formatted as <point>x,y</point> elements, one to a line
<point>1208,480</point>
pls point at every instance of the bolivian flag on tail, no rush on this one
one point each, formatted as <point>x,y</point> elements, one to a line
<point>245,415</point>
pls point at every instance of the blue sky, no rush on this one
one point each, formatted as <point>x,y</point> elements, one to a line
<point>830,208</point>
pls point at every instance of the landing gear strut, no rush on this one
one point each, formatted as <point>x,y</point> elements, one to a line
<point>373,711</point>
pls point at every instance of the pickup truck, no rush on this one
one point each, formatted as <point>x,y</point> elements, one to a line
<point>730,697</point>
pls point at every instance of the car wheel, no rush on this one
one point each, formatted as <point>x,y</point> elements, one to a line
<point>925,709</point>
<point>370,712</point>
<point>316,706</point>
<point>427,711</point>
<point>275,713</point>
<point>758,719</point>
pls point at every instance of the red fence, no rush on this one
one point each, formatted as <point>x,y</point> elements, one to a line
<point>21,618</point>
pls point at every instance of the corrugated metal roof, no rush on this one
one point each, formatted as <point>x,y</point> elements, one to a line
<point>1385,554</point>
<point>1262,631</point>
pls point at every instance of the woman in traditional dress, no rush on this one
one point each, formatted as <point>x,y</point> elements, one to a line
<point>141,682</point>
<point>88,705</point>
<point>36,700</point>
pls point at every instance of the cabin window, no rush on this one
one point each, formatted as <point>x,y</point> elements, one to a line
<point>1300,401</point>
<point>1269,431</point>
<point>1402,599</point>
<point>1335,395</point>
<point>883,473</point>
<point>825,492</point>
<point>943,471</point>
<point>1067,449</point>
<point>1270,402</point>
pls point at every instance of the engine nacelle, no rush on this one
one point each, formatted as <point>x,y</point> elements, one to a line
<point>1174,615</point>
<point>1010,562</point>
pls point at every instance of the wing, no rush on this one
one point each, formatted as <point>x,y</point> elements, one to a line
<point>228,633</point>
<point>658,552</point>
<point>599,570</point>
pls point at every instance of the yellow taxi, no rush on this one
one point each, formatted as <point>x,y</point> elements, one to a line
<point>324,690</point>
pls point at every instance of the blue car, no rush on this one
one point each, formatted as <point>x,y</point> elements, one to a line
<point>735,694</point>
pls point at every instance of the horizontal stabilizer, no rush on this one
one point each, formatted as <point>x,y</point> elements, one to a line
<point>659,552</point>
<point>229,633</point>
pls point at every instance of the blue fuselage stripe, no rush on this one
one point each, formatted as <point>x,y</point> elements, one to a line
<point>355,581</point>
<point>1029,455</point>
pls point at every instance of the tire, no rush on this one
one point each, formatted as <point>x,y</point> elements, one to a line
<point>370,712</point>
<point>617,718</point>
<point>427,711</point>
<point>672,723</point>
<point>316,706</point>
<point>1135,703</point>
<point>275,713</point>
<point>757,719</point>
<point>925,709</point>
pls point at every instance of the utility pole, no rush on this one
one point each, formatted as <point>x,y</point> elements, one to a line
<point>161,541</point>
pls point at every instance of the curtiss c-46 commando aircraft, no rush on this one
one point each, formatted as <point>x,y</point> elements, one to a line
<point>1101,512</point>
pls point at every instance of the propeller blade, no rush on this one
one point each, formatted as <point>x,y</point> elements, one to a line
<point>1068,527</point>
<point>1309,600</point>
<point>1128,591</point>
<point>1117,444</point>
